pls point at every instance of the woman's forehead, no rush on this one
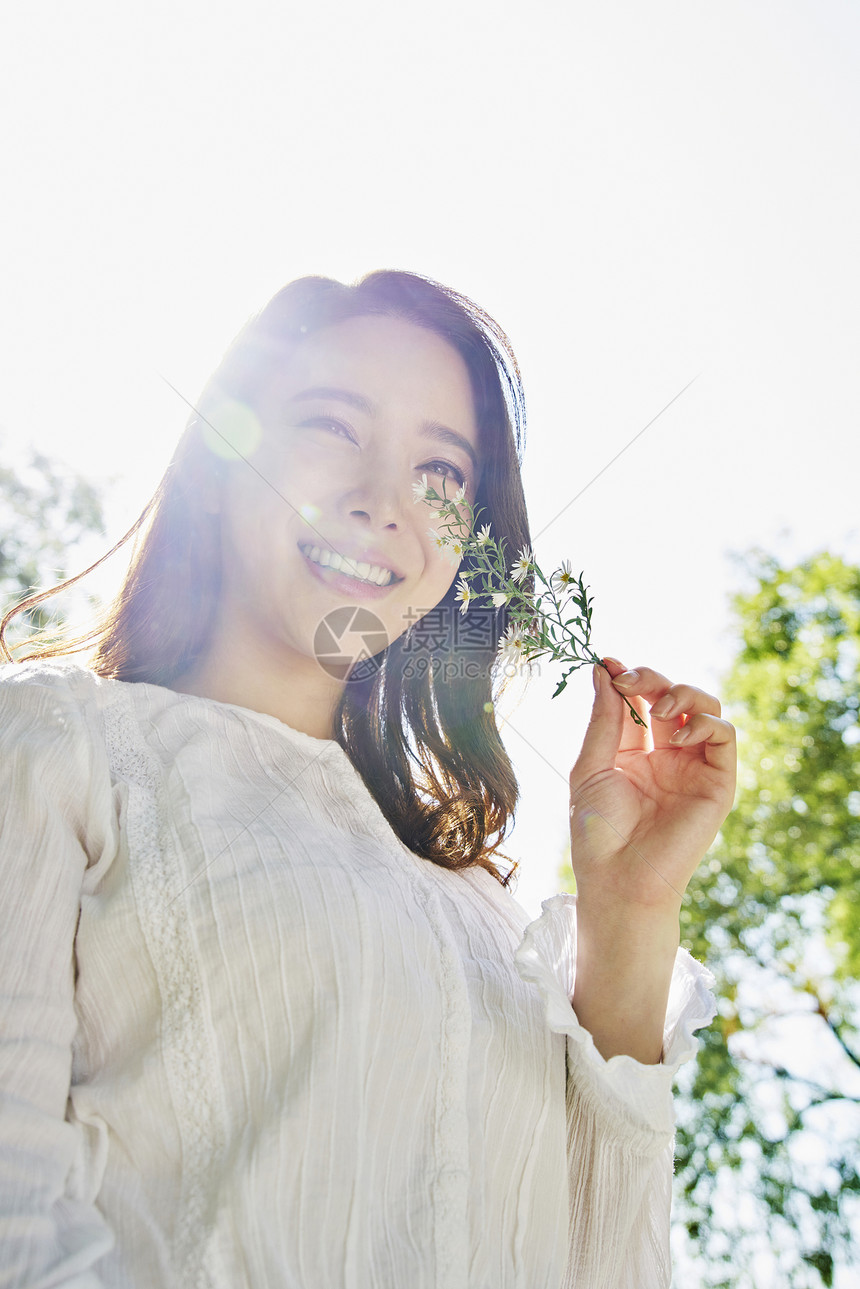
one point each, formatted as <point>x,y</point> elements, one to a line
<point>384,361</point>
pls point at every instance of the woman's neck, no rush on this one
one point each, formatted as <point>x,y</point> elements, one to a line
<point>291,688</point>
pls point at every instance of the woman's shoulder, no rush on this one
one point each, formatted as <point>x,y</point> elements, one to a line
<point>52,746</point>
<point>57,674</point>
<point>49,702</point>
<point>51,683</point>
<point>56,786</point>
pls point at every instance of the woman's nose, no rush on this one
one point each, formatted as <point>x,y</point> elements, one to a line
<point>378,500</point>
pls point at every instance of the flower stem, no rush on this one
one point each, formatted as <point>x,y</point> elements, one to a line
<point>534,631</point>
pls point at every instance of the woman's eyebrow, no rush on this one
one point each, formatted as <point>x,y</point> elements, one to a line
<point>342,395</point>
<point>442,434</point>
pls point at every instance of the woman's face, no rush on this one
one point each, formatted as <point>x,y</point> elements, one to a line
<point>362,410</point>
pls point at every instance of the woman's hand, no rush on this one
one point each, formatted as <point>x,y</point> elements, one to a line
<point>642,817</point>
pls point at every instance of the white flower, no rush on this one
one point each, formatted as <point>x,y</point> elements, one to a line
<point>464,594</point>
<point>459,494</point>
<point>562,578</point>
<point>511,645</point>
<point>499,598</point>
<point>522,565</point>
<point>451,548</point>
<point>483,536</point>
<point>420,490</point>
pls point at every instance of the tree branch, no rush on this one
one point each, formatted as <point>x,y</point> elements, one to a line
<point>833,1027</point>
<point>781,1072</point>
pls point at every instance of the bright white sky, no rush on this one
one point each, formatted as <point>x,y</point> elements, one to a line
<point>639,193</point>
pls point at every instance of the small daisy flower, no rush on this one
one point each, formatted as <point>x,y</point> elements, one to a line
<point>511,645</point>
<point>522,565</point>
<point>459,494</point>
<point>420,490</point>
<point>450,547</point>
<point>562,578</point>
<point>483,536</point>
<point>464,594</point>
<point>499,598</point>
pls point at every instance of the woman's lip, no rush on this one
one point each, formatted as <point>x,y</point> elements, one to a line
<point>351,587</point>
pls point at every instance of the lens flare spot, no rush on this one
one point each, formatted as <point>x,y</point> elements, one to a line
<point>591,822</point>
<point>231,430</point>
<point>309,512</point>
<point>489,707</point>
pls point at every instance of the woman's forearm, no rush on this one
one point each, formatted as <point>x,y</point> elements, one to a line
<point>624,963</point>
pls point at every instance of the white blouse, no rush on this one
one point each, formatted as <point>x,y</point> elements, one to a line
<point>248,1040</point>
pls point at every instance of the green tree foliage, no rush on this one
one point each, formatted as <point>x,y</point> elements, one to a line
<point>767,1184</point>
<point>769,1126</point>
<point>45,513</point>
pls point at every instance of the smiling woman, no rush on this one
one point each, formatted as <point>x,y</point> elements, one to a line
<point>223,598</point>
<point>272,1017</point>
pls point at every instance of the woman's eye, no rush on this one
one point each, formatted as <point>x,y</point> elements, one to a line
<point>446,470</point>
<point>328,423</point>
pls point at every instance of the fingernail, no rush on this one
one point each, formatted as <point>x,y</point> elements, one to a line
<point>616,661</point>
<point>681,735</point>
<point>626,679</point>
<point>663,708</point>
<point>596,678</point>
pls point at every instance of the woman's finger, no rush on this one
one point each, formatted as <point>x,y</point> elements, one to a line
<point>669,703</point>
<point>603,735</point>
<point>634,738</point>
<point>714,736</point>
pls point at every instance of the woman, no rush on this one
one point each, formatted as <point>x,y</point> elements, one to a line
<point>270,1015</point>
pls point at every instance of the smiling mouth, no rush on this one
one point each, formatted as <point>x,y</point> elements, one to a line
<point>374,574</point>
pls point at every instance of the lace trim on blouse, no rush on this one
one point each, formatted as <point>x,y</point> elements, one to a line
<point>189,1060</point>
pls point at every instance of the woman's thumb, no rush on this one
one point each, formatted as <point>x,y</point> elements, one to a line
<point>603,735</point>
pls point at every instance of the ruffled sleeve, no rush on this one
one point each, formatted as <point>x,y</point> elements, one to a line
<point>620,1120</point>
<point>54,803</point>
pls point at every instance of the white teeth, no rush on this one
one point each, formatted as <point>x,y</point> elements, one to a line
<point>342,563</point>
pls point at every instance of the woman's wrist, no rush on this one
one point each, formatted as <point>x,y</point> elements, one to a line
<point>604,911</point>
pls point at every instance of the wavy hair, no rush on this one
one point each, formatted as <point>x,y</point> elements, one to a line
<point>420,727</point>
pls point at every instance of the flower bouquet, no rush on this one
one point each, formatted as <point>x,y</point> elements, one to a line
<point>549,617</point>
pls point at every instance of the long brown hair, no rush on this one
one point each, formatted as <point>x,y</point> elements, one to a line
<point>420,728</point>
